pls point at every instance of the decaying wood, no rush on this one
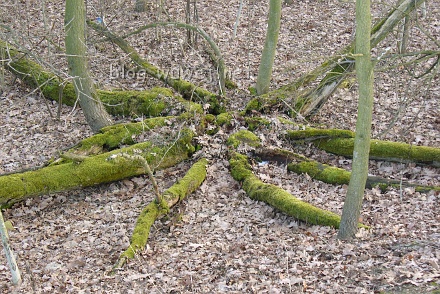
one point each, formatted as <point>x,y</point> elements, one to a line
<point>179,191</point>
<point>329,174</point>
<point>93,170</point>
<point>188,90</point>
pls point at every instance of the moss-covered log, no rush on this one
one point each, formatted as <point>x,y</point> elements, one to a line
<point>278,198</point>
<point>384,150</point>
<point>188,90</point>
<point>112,137</point>
<point>339,176</point>
<point>185,186</point>
<point>311,134</point>
<point>217,56</point>
<point>149,103</point>
<point>103,168</point>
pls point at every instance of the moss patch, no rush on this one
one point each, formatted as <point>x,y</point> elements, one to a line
<point>253,123</point>
<point>384,150</point>
<point>277,197</point>
<point>243,137</point>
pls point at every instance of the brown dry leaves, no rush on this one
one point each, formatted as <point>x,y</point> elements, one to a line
<point>219,240</point>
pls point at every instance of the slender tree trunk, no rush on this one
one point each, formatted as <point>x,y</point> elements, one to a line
<point>140,6</point>
<point>364,72</point>
<point>270,46</point>
<point>94,111</point>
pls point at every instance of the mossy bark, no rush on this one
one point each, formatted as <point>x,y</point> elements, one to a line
<point>278,198</point>
<point>148,103</point>
<point>384,150</point>
<point>339,176</point>
<point>115,136</point>
<point>188,90</point>
<point>185,186</point>
<point>103,168</point>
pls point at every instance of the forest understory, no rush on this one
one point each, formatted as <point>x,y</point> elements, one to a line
<point>219,240</point>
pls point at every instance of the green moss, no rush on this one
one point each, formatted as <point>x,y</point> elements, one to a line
<point>252,91</point>
<point>314,134</point>
<point>112,137</point>
<point>189,183</point>
<point>223,119</point>
<point>254,123</point>
<point>321,172</point>
<point>229,84</point>
<point>277,197</point>
<point>142,229</point>
<point>253,104</point>
<point>94,169</point>
<point>285,121</point>
<point>384,150</point>
<point>243,136</point>
<point>192,93</point>
<point>136,103</point>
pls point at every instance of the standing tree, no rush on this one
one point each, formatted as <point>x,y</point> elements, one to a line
<point>76,50</point>
<point>270,46</point>
<point>364,72</point>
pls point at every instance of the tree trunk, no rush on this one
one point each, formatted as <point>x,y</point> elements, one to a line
<point>140,6</point>
<point>76,52</point>
<point>364,72</point>
<point>179,191</point>
<point>270,46</point>
<point>335,70</point>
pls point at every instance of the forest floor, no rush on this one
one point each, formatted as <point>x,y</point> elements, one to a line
<point>219,240</point>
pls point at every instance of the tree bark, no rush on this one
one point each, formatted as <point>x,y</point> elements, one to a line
<point>359,174</point>
<point>95,113</point>
<point>270,46</point>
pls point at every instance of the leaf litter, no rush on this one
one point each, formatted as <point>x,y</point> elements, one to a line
<point>219,240</point>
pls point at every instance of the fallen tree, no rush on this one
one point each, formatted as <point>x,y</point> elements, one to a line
<point>105,157</point>
<point>329,174</point>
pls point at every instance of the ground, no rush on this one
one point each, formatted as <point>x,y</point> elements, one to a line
<point>219,240</point>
